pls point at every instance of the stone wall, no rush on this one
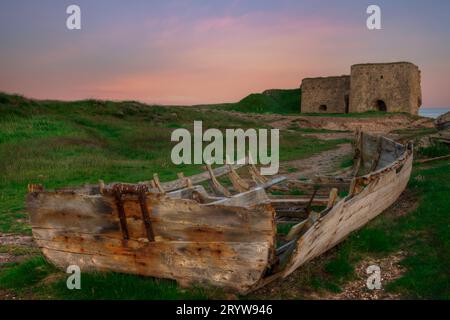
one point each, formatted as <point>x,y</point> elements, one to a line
<point>325,95</point>
<point>391,87</point>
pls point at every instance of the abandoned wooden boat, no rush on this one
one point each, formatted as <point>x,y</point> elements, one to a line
<point>224,237</point>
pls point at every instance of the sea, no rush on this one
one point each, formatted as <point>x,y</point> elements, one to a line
<point>432,112</point>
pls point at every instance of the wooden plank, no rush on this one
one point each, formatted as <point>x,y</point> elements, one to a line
<point>256,176</point>
<point>231,265</point>
<point>238,184</point>
<point>197,178</point>
<point>247,199</point>
<point>158,183</point>
<point>218,188</point>
<point>295,230</point>
<point>188,181</point>
<point>272,182</point>
<point>172,219</point>
<point>332,198</point>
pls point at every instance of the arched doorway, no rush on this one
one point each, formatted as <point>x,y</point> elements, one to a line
<point>381,105</point>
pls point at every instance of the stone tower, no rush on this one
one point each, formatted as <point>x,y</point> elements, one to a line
<point>326,95</point>
<point>391,87</point>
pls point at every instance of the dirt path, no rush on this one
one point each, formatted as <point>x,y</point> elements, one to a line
<point>375,124</point>
<point>323,163</point>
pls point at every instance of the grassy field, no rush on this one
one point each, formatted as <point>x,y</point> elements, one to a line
<point>62,144</point>
<point>66,144</point>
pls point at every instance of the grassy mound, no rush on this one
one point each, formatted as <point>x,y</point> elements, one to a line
<point>276,101</point>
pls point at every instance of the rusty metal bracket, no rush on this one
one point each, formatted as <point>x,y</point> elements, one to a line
<point>122,216</point>
<point>146,215</point>
<point>118,190</point>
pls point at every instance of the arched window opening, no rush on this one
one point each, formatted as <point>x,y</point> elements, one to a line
<point>381,106</point>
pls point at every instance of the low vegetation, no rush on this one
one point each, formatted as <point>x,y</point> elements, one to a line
<point>436,149</point>
<point>71,143</point>
<point>275,101</point>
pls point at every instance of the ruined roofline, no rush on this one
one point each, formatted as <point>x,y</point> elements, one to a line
<point>384,64</point>
<point>362,64</point>
<point>330,77</point>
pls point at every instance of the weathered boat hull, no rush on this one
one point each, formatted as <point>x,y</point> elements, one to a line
<point>215,245</point>
<point>351,214</point>
<point>192,237</point>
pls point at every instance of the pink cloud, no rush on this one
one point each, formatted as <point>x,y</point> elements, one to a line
<point>217,59</point>
<point>216,23</point>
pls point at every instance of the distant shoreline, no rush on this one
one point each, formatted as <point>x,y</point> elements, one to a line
<point>432,112</point>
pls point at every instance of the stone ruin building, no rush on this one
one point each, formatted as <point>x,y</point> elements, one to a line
<point>390,87</point>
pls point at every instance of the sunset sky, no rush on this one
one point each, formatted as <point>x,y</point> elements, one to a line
<point>190,52</point>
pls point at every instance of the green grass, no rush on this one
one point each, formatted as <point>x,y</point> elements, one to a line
<point>293,148</point>
<point>413,133</point>
<point>434,150</point>
<point>292,192</point>
<point>276,101</point>
<point>18,250</point>
<point>32,277</point>
<point>284,228</point>
<point>117,286</point>
<point>346,162</point>
<point>26,274</point>
<point>427,230</point>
